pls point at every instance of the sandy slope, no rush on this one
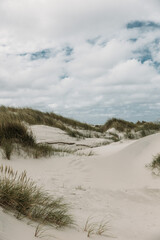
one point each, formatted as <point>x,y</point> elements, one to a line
<point>55,135</point>
<point>126,168</point>
<point>113,183</point>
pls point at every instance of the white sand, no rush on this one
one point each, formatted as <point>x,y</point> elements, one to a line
<point>113,183</point>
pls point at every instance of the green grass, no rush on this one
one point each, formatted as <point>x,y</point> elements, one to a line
<point>21,195</point>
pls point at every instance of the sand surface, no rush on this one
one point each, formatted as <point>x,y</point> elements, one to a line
<point>114,184</point>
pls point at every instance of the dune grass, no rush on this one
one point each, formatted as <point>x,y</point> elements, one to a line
<point>16,138</point>
<point>75,128</point>
<point>132,130</point>
<point>15,131</point>
<point>155,164</point>
<point>14,135</point>
<point>96,228</point>
<point>24,198</point>
<point>32,117</point>
<point>118,124</point>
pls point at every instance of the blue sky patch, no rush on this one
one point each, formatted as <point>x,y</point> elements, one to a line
<point>68,51</point>
<point>142,24</point>
<point>145,56</point>
<point>45,53</point>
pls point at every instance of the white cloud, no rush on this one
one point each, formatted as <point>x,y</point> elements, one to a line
<point>100,79</point>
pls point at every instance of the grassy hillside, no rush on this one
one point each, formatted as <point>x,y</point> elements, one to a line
<point>122,125</point>
<point>129,128</point>
<point>72,127</point>
<point>32,117</point>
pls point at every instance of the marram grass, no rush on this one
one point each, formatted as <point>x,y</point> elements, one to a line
<point>14,135</point>
<point>155,164</point>
<point>21,195</point>
<point>32,117</point>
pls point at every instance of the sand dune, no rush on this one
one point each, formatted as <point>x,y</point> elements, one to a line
<point>113,183</point>
<point>127,167</point>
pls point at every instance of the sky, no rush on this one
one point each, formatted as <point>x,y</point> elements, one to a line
<point>90,60</point>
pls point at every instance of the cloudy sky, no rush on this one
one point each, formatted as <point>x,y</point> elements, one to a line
<point>86,59</point>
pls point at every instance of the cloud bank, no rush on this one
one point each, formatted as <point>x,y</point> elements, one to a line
<point>90,60</point>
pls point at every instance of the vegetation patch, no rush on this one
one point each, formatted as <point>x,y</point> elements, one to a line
<point>118,124</point>
<point>75,128</point>
<point>155,164</point>
<point>15,136</point>
<point>97,228</point>
<point>20,194</point>
<point>15,131</point>
<point>130,129</point>
<point>33,117</point>
<point>114,137</point>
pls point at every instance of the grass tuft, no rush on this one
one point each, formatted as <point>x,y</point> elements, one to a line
<point>155,164</point>
<point>96,228</point>
<point>20,194</point>
<point>14,135</point>
<point>15,131</point>
<point>7,147</point>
